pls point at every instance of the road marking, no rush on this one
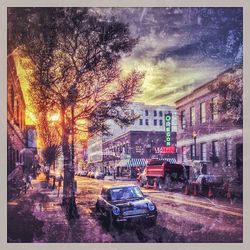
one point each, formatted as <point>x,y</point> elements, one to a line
<point>182,197</point>
<point>195,204</point>
<point>209,203</point>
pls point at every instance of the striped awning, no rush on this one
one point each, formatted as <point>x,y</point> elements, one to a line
<point>170,160</point>
<point>139,162</point>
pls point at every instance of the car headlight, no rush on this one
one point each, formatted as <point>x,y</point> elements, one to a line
<point>116,210</point>
<point>151,207</point>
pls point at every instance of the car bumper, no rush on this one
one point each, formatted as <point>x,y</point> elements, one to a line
<point>135,217</point>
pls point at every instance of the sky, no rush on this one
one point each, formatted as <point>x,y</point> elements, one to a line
<point>180,49</point>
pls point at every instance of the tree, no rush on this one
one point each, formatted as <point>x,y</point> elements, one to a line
<point>230,89</point>
<point>75,56</point>
<point>51,153</point>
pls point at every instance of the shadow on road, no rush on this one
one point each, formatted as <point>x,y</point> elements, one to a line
<point>137,232</point>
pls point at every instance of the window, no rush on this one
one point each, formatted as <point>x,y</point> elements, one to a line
<point>215,148</point>
<point>155,122</point>
<point>160,113</point>
<point>146,112</point>
<point>192,116</point>
<point>192,148</point>
<point>161,123</point>
<point>203,151</point>
<point>215,114</point>
<point>228,151</point>
<point>202,112</point>
<point>183,120</point>
<point>141,121</point>
<point>184,153</point>
<point>155,113</point>
<point>146,121</point>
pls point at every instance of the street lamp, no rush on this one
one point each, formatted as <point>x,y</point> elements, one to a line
<point>194,135</point>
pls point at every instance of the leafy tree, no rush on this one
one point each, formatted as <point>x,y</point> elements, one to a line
<point>230,89</point>
<point>51,153</point>
<point>74,55</point>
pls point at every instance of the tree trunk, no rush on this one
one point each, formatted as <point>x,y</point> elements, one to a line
<point>68,184</point>
<point>72,137</point>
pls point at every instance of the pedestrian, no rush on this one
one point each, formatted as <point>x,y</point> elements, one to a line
<point>54,183</point>
<point>28,181</point>
<point>59,184</point>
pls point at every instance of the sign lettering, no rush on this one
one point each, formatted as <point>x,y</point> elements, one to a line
<point>168,123</point>
<point>165,150</point>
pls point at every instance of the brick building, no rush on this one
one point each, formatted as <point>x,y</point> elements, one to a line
<point>131,146</point>
<point>15,117</point>
<point>204,134</point>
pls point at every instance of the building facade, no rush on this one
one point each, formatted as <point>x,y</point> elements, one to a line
<point>204,134</point>
<point>15,117</point>
<point>153,135</point>
<point>95,152</point>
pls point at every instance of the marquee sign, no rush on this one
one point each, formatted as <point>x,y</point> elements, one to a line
<point>165,150</point>
<point>168,124</point>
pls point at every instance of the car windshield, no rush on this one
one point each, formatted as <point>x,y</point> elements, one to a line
<point>125,193</point>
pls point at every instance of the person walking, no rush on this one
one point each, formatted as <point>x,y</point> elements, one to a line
<point>59,184</point>
<point>28,181</point>
<point>54,183</point>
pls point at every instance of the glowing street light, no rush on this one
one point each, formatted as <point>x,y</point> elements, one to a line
<point>194,135</point>
<point>54,117</point>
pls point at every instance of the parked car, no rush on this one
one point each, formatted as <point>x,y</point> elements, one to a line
<point>99,175</point>
<point>125,203</point>
<point>198,173</point>
<point>89,173</point>
<point>83,173</point>
<point>92,174</point>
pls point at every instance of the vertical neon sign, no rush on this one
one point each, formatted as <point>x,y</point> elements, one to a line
<point>168,123</point>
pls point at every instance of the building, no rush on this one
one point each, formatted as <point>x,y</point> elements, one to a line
<point>95,152</point>
<point>204,134</point>
<point>15,117</point>
<point>153,135</point>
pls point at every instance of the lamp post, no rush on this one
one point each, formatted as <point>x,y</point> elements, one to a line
<point>194,135</point>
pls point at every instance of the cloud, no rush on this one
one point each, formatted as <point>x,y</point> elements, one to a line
<point>180,48</point>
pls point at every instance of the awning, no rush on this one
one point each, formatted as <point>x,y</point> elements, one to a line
<point>139,162</point>
<point>170,160</point>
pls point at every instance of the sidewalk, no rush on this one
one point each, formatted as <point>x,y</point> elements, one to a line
<point>37,216</point>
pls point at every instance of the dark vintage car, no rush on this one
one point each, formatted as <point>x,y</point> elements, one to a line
<point>125,203</point>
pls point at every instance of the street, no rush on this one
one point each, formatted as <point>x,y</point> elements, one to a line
<point>38,216</point>
<point>181,218</point>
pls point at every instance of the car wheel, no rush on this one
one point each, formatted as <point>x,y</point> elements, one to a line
<point>97,208</point>
<point>152,221</point>
<point>108,222</point>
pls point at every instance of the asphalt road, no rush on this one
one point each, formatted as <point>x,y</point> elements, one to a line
<point>181,218</point>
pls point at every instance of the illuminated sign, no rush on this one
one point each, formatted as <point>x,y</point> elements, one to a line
<point>165,150</point>
<point>168,123</point>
